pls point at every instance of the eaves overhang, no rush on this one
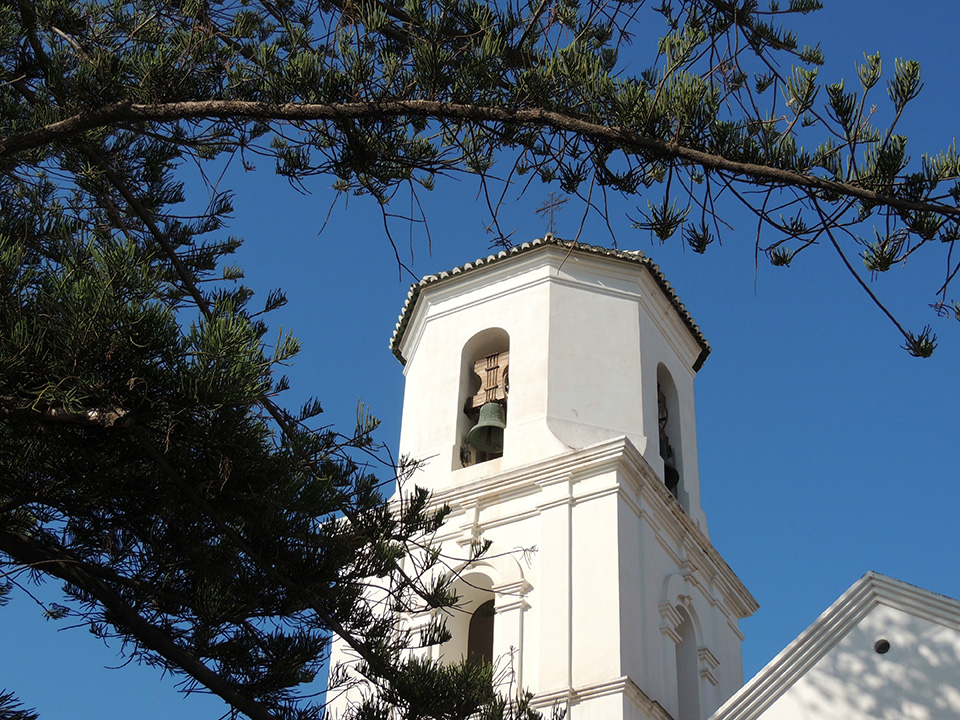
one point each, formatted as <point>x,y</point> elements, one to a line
<point>629,256</point>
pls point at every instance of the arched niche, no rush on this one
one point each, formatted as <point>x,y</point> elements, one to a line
<point>688,668</point>
<point>471,623</point>
<point>495,584</point>
<point>670,440</point>
<point>486,353</point>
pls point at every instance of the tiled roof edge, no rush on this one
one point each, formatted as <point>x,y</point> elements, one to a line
<point>635,256</point>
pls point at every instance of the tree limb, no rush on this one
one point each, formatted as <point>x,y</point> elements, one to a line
<point>241,544</point>
<point>108,415</point>
<point>624,137</point>
<point>58,562</point>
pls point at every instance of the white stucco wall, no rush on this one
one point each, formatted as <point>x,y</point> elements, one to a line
<point>590,553</point>
<point>918,679</point>
<point>586,336</point>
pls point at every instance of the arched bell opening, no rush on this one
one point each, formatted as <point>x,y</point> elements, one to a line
<point>484,386</point>
<point>670,441</point>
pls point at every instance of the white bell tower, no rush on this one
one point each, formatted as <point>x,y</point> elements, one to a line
<point>601,589</point>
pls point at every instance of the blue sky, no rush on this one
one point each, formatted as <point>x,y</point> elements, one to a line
<point>825,450</point>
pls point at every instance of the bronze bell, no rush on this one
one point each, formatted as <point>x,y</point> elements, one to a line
<point>487,435</point>
<point>671,477</point>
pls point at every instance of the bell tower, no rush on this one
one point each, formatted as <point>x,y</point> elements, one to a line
<point>549,389</point>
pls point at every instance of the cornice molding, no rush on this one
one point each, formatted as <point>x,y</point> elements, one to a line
<point>707,662</point>
<point>619,686</point>
<point>635,481</point>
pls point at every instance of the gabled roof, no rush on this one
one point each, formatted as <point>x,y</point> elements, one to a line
<point>850,609</point>
<point>632,256</point>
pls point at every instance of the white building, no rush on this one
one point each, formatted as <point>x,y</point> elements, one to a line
<point>550,391</point>
<point>607,593</point>
<point>885,650</point>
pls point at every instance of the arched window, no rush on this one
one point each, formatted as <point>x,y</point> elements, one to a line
<point>688,675</point>
<point>484,386</point>
<point>480,637</point>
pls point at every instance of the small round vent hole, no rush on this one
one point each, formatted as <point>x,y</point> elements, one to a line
<point>882,646</point>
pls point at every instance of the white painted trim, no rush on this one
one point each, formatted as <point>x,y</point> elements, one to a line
<point>637,484</point>
<point>618,686</point>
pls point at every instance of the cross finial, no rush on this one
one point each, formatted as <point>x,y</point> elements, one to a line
<point>548,208</point>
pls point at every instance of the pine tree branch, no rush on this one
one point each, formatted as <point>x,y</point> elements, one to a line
<point>624,137</point>
<point>279,416</point>
<point>856,275</point>
<point>12,709</point>
<point>265,566</point>
<point>155,231</point>
<point>60,563</point>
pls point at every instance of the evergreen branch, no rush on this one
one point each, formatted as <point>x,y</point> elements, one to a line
<point>243,546</point>
<point>144,590</point>
<point>278,415</point>
<point>155,231</point>
<point>401,33</point>
<point>12,709</point>
<point>62,564</point>
<point>623,137</point>
<point>856,275</point>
